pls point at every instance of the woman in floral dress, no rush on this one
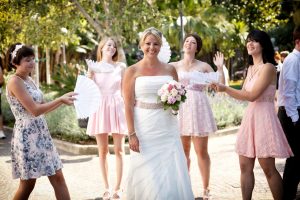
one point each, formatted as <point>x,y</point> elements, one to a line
<point>33,152</point>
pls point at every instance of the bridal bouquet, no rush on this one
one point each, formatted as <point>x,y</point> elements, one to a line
<point>171,95</point>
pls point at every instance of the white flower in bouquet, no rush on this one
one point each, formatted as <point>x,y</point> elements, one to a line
<point>174,92</point>
<point>164,98</point>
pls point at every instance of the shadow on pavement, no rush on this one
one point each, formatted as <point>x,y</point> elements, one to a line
<point>76,160</point>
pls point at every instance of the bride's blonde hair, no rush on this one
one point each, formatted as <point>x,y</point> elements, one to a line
<point>151,31</point>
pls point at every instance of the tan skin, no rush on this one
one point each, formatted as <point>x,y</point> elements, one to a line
<point>189,63</point>
<point>17,88</point>
<point>108,51</point>
<point>148,66</point>
<point>266,76</point>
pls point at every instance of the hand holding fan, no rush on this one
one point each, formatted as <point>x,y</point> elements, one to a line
<point>88,99</point>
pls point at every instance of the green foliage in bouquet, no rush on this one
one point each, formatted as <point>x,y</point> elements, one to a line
<point>174,106</point>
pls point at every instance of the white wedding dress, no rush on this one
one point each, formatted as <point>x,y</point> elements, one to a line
<point>159,171</point>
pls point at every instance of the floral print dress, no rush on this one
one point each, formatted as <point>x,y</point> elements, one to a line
<point>32,149</point>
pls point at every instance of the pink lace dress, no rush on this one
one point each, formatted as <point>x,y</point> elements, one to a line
<point>260,134</point>
<point>195,114</point>
<point>110,116</point>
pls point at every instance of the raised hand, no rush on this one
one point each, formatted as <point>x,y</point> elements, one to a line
<point>68,98</point>
<point>219,60</point>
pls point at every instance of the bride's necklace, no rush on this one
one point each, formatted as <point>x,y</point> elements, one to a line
<point>254,70</point>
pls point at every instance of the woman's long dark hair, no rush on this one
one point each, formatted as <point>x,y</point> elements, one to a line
<point>267,47</point>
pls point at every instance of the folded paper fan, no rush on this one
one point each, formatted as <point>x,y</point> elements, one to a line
<point>99,67</point>
<point>88,97</point>
<point>164,54</point>
<point>204,78</point>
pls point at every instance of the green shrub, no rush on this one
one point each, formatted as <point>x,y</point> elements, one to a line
<point>227,110</point>
<point>8,117</point>
<point>63,80</point>
<point>63,124</point>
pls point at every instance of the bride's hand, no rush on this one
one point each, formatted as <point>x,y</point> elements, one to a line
<point>134,143</point>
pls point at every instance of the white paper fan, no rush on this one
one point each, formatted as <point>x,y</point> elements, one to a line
<point>164,54</point>
<point>204,78</point>
<point>99,67</point>
<point>88,97</point>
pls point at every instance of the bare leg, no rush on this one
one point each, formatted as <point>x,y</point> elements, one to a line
<point>25,189</point>
<point>59,185</point>
<point>273,177</point>
<point>186,143</point>
<point>247,176</point>
<point>200,146</point>
<point>102,142</point>
<point>118,148</point>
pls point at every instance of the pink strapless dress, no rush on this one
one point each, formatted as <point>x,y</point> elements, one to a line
<point>260,134</point>
<point>195,114</point>
<point>110,116</point>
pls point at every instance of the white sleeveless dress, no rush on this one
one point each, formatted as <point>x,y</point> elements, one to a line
<point>159,171</point>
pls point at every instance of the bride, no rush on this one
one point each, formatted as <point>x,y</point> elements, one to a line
<point>158,168</point>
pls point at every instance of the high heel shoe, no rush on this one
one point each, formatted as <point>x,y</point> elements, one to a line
<point>107,194</point>
<point>117,195</point>
<point>206,194</point>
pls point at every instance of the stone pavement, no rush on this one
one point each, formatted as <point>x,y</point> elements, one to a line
<point>82,174</point>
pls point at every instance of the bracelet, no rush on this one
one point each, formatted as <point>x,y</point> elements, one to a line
<point>131,134</point>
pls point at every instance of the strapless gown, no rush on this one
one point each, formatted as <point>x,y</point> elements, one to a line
<point>159,171</point>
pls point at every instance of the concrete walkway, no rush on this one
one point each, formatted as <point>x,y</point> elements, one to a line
<point>82,174</point>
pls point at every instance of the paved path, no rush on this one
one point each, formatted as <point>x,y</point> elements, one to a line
<point>83,176</point>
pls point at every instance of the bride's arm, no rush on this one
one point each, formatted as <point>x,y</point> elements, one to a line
<point>173,72</point>
<point>128,86</point>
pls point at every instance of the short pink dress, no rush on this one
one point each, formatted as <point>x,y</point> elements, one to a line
<point>260,134</point>
<point>195,114</point>
<point>110,116</point>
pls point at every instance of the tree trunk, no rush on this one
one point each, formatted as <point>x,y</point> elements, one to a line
<point>48,73</point>
<point>36,75</point>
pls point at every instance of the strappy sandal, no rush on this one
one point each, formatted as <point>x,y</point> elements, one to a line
<point>107,194</point>
<point>206,194</point>
<point>117,195</point>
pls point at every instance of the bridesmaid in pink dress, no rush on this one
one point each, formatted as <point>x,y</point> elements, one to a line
<point>110,117</point>
<point>260,135</point>
<point>196,119</point>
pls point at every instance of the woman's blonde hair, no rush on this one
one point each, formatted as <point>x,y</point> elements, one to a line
<point>151,31</point>
<point>101,45</point>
